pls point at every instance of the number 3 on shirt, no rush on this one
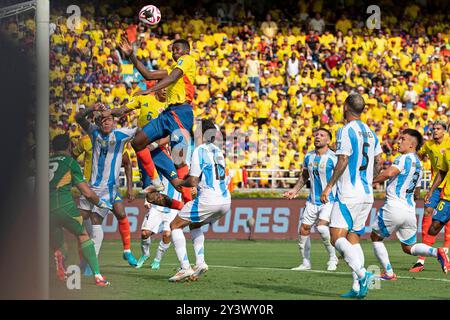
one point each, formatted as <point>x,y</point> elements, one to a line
<point>53,166</point>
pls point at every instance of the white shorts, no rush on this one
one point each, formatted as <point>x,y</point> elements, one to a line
<point>313,212</point>
<point>110,195</point>
<point>399,218</point>
<point>197,211</point>
<point>154,218</point>
<point>350,216</point>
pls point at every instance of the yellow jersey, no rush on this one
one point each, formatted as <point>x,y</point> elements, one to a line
<point>182,90</point>
<point>149,106</point>
<point>443,165</point>
<point>84,145</point>
<point>435,152</point>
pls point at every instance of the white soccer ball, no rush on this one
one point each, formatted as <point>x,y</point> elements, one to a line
<point>150,15</point>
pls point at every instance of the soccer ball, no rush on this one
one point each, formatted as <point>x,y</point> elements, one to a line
<point>150,15</point>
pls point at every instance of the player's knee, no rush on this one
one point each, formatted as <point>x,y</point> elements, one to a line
<point>305,229</point>
<point>406,249</point>
<point>428,211</point>
<point>145,234</point>
<point>166,236</point>
<point>375,237</point>
<point>432,231</point>
<point>83,237</point>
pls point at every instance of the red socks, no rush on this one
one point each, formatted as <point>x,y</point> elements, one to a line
<point>124,229</point>
<point>447,235</point>
<point>147,163</point>
<point>185,192</point>
<point>426,238</point>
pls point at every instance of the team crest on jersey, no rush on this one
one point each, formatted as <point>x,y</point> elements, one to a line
<point>180,62</point>
<point>322,166</point>
<point>172,173</point>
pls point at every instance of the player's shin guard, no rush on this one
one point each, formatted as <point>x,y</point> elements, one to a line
<point>351,256</point>
<point>325,235</point>
<point>124,229</point>
<point>149,166</point>
<point>185,192</point>
<point>198,240</point>
<point>179,242</point>
<point>383,257</point>
<point>162,248</point>
<point>447,235</point>
<point>426,238</point>
<point>145,246</point>
<point>90,256</point>
<point>423,250</point>
<point>304,247</point>
<point>97,237</point>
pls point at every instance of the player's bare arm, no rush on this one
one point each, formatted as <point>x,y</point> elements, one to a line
<point>436,182</point>
<point>377,165</point>
<point>190,182</point>
<point>158,143</point>
<point>291,194</point>
<point>386,174</point>
<point>126,163</point>
<point>176,74</point>
<point>337,173</point>
<point>127,51</point>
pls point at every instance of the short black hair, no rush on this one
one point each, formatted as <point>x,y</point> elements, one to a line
<point>60,142</point>
<point>416,134</point>
<point>356,103</point>
<point>330,135</point>
<point>184,43</point>
<point>209,130</point>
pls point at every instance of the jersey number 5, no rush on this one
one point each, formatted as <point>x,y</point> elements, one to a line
<point>365,161</point>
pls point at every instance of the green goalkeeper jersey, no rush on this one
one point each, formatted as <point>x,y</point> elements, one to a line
<point>64,172</point>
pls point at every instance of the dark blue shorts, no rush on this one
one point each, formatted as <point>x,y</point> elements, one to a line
<point>442,212</point>
<point>164,165</point>
<point>434,199</point>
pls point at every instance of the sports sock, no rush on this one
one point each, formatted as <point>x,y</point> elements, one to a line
<point>423,250</point>
<point>382,255</point>
<point>145,246</point>
<point>186,193</point>
<point>97,237</point>
<point>304,247</point>
<point>325,235</point>
<point>355,284</point>
<point>90,255</point>
<point>426,238</point>
<point>447,235</point>
<point>147,163</point>
<point>198,240</point>
<point>162,248</point>
<point>124,229</point>
<point>179,242</point>
<point>351,256</point>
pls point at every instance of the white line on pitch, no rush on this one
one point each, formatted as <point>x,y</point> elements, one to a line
<point>322,271</point>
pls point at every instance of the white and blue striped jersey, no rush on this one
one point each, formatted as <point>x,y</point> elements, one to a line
<point>107,153</point>
<point>169,191</point>
<point>401,187</point>
<point>208,163</point>
<point>320,170</point>
<point>361,145</point>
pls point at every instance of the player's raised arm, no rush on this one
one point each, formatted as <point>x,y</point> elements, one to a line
<point>127,51</point>
<point>80,117</point>
<point>176,74</point>
<point>341,165</point>
<point>291,194</point>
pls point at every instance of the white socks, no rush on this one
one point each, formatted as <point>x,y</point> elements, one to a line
<point>325,235</point>
<point>198,240</point>
<point>382,255</point>
<point>304,246</point>
<point>352,255</point>
<point>97,237</point>
<point>421,249</point>
<point>162,248</point>
<point>179,242</point>
<point>145,246</point>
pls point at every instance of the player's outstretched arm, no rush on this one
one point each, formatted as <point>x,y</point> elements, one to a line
<point>80,117</point>
<point>91,196</point>
<point>341,165</point>
<point>127,51</point>
<point>390,172</point>
<point>291,194</point>
<point>176,74</point>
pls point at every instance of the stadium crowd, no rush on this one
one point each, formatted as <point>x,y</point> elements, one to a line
<point>267,82</point>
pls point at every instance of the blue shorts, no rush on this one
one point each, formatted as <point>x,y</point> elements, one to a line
<point>442,212</point>
<point>434,199</point>
<point>176,121</point>
<point>164,165</point>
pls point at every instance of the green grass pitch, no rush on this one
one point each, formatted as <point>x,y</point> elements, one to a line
<point>241,269</point>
